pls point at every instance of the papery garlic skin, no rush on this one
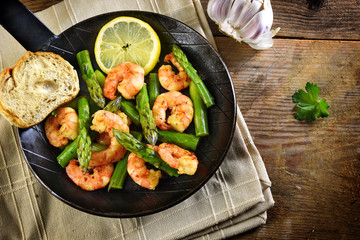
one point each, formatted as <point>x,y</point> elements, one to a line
<point>249,21</point>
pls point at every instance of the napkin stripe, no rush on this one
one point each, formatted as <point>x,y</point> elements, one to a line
<point>156,8</point>
<point>12,191</point>
<point>216,227</point>
<point>36,212</point>
<point>142,228</point>
<point>10,166</point>
<point>231,230</point>
<point>227,196</point>
<point>121,229</point>
<point>250,145</point>
<point>192,224</point>
<point>72,15</point>
<point>200,201</point>
<point>57,18</point>
<point>210,202</point>
<point>204,23</point>
<point>14,182</point>
<point>138,4</point>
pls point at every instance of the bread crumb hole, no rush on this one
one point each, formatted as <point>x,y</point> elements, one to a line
<point>47,86</point>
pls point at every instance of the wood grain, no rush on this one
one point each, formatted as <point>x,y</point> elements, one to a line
<point>38,5</point>
<point>312,19</point>
<point>307,19</point>
<point>314,167</point>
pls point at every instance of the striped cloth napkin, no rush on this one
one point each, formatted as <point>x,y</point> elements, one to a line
<point>233,201</point>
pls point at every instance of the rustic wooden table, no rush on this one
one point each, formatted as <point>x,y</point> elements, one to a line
<point>314,167</point>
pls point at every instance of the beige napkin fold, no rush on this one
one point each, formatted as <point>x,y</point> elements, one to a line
<point>233,201</point>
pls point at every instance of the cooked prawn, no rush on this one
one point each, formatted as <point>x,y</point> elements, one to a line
<point>103,122</point>
<point>181,115</point>
<point>125,117</point>
<point>62,127</point>
<point>185,161</point>
<point>103,138</point>
<point>92,179</point>
<point>147,178</point>
<point>167,77</point>
<point>127,78</point>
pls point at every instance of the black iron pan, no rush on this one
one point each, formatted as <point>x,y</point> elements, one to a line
<point>133,200</point>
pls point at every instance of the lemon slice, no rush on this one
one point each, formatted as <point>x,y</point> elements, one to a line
<point>127,39</point>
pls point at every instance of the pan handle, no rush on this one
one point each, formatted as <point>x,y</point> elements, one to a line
<point>24,26</point>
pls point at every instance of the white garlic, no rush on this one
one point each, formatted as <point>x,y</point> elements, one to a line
<point>249,21</point>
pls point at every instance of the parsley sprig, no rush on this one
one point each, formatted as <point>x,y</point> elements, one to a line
<point>309,106</point>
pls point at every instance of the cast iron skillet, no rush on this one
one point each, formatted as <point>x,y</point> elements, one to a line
<point>133,200</point>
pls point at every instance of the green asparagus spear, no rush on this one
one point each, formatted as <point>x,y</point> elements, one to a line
<point>81,146</point>
<point>84,61</point>
<point>143,151</point>
<point>95,91</point>
<point>84,113</point>
<point>120,172</point>
<point>89,77</point>
<point>114,105</point>
<point>84,140</point>
<point>146,118</point>
<point>70,152</point>
<point>130,110</point>
<point>184,140</point>
<point>84,149</point>
<point>97,147</point>
<point>200,112</point>
<point>138,135</point>
<point>74,103</point>
<point>154,88</point>
<point>100,77</point>
<point>67,154</point>
<point>192,73</point>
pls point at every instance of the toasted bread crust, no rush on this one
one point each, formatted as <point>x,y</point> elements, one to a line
<point>39,83</point>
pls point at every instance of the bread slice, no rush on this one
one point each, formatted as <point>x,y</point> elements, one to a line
<point>39,83</point>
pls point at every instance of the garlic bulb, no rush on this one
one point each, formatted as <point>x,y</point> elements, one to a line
<point>249,21</point>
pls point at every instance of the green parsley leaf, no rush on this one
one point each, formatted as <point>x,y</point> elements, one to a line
<point>309,107</point>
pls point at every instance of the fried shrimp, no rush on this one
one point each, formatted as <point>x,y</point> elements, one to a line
<point>147,178</point>
<point>62,127</point>
<point>183,160</point>
<point>127,78</point>
<point>103,122</point>
<point>167,77</point>
<point>181,115</point>
<point>104,138</point>
<point>93,178</point>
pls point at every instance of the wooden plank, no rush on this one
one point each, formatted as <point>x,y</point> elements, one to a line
<point>312,19</point>
<point>38,5</point>
<point>314,167</point>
